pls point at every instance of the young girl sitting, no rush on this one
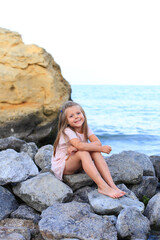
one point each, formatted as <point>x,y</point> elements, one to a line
<point>72,151</point>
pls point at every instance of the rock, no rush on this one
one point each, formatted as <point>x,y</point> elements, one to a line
<point>43,157</point>
<point>15,167</point>
<point>26,228</point>
<point>32,89</point>
<point>81,195</point>
<point>11,236</point>
<point>152,211</point>
<point>131,224</point>
<point>11,142</point>
<point>30,148</point>
<point>75,220</point>
<point>26,212</point>
<point>124,168</point>
<point>146,188</point>
<point>156,163</point>
<point>128,167</point>
<point>42,191</point>
<point>78,180</point>
<point>8,203</point>
<point>102,204</point>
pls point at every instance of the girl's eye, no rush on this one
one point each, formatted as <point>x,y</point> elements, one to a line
<point>78,113</point>
<point>71,116</point>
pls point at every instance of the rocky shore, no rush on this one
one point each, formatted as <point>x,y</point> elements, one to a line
<point>35,205</point>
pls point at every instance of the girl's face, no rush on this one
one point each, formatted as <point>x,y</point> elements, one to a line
<point>75,117</point>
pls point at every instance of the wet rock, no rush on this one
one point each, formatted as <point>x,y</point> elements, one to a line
<point>78,180</point>
<point>30,148</point>
<point>8,203</point>
<point>131,224</point>
<point>42,191</point>
<point>146,188</point>
<point>152,211</point>
<point>26,212</point>
<point>102,204</point>
<point>75,220</point>
<point>43,156</point>
<point>15,167</point>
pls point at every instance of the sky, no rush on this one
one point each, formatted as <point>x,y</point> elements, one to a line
<point>94,41</point>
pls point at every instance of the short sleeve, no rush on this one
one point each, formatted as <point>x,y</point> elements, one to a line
<point>90,132</point>
<point>70,133</point>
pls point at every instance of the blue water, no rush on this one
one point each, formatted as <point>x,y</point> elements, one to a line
<point>124,117</point>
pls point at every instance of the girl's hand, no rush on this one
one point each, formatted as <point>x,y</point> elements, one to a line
<point>71,149</point>
<point>106,149</point>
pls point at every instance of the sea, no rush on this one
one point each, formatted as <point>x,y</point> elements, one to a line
<point>123,117</point>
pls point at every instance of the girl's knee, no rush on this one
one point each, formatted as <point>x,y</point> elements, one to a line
<point>83,153</point>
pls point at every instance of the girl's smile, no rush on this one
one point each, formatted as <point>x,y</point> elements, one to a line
<point>75,117</point>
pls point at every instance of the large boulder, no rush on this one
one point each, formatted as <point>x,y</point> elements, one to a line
<point>42,191</point>
<point>152,211</point>
<point>102,204</point>
<point>15,167</point>
<point>8,203</point>
<point>43,157</point>
<point>145,188</point>
<point>75,220</point>
<point>131,224</point>
<point>124,168</point>
<point>32,89</point>
<point>129,167</point>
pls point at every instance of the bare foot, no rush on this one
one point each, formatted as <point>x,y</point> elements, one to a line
<point>119,190</point>
<point>108,191</point>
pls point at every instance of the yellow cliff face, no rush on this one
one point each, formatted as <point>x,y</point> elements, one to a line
<point>31,84</point>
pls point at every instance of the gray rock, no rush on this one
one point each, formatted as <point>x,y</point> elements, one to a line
<point>102,204</point>
<point>128,192</point>
<point>11,236</point>
<point>26,212</point>
<point>156,163</point>
<point>15,167</point>
<point>131,224</point>
<point>42,191</point>
<point>124,168</point>
<point>78,180</point>
<point>30,148</point>
<point>75,220</point>
<point>152,211</point>
<point>146,188</point>
<point>43,156</point>
<point>8,203</point>
<point>81,195</point>
<point>12,143</point>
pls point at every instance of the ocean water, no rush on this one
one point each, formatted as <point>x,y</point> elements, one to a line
<point>124,117</point>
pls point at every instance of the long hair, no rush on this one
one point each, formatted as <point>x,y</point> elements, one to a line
<point>63,123</point>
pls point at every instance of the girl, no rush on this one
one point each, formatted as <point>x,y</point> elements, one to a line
<point>72,151</point>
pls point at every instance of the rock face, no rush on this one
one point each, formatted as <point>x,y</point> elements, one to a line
<point>32,89</point>
<point>75,220</point>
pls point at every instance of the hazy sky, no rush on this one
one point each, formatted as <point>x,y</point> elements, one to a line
<point>93,41</point>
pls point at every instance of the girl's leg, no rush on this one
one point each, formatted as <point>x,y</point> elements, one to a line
<point>83,158</point>
<point>103,169</point>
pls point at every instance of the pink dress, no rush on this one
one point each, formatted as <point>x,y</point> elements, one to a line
<point>58,161</point>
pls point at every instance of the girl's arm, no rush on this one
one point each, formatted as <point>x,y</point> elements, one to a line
<point>93,146</point>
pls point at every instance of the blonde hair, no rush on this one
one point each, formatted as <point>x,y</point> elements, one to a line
<point>63,123</point>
